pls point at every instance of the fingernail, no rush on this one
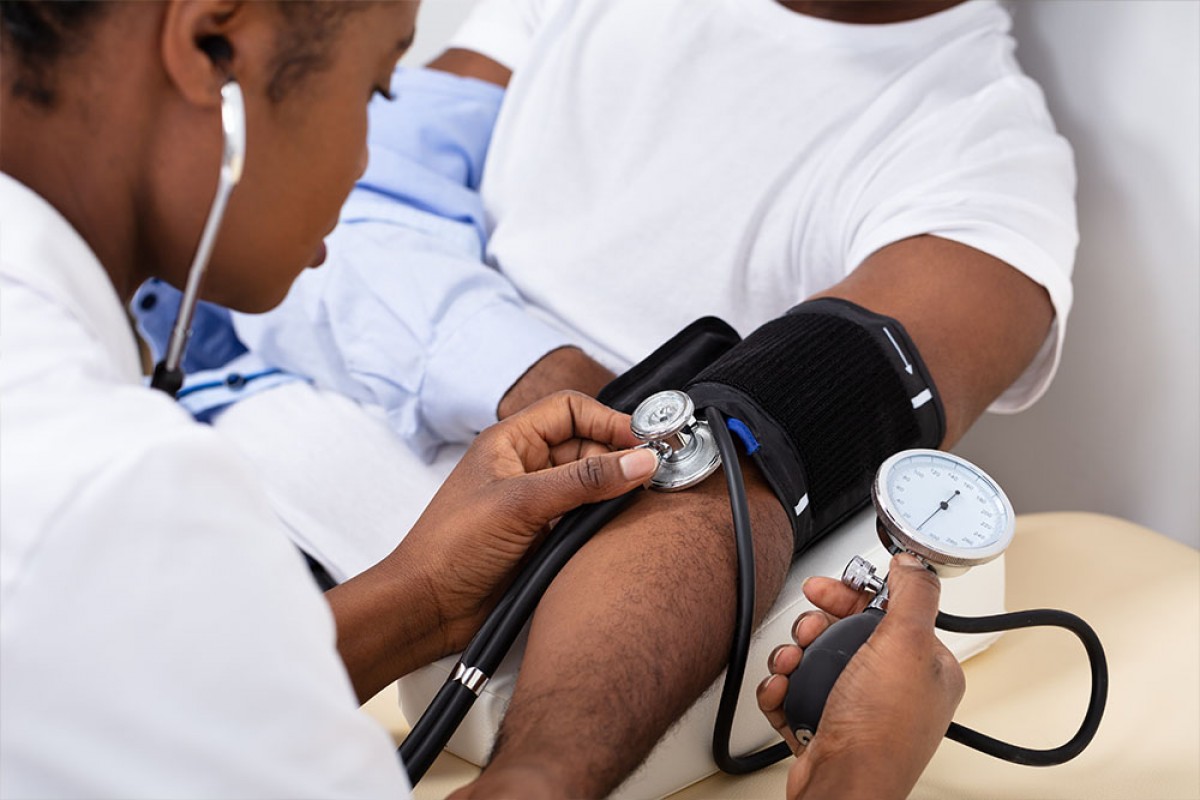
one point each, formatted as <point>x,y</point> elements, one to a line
<point>639,464</point>
<point>908,560</point>
<point>774,655</point>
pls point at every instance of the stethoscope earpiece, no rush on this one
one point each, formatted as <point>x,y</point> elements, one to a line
<point>233,123</point>
<point>217,48</point>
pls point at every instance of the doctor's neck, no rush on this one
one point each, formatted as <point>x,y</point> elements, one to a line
<point>75,129</point>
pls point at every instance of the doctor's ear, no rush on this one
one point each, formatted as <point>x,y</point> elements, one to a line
<point>206,42</point>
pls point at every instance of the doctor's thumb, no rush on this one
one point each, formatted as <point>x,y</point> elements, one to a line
<point>592,479</point>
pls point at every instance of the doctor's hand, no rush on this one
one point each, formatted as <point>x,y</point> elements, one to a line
<point>892,704</point>
<point>519,475</point>
<point>429,595</point>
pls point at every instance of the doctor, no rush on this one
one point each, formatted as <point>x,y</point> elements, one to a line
<point>159,635</point>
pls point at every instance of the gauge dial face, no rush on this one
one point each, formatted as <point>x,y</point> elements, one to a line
<point>943,507</point>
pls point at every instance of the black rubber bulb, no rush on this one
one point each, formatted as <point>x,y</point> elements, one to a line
<point>823,661</point>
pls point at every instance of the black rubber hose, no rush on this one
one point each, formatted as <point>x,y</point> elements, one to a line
<point>744,619</point>
<point>1036,618</point>
<point>824,659</point>
<point>496,636</point>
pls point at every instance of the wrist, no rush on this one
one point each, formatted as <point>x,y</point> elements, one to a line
<point>563,368</point>
<point>869,772</point>
<point>388,623</point>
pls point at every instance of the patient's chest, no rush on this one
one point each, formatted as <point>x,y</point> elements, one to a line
<point>661,178</point>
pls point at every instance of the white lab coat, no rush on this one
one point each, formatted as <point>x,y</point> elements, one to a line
<point>159,635</point>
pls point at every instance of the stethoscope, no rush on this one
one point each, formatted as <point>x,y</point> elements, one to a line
<point>937,506</point>
<point>168,373</point>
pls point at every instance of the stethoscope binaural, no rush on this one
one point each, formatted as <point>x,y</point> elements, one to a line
<point>168,373</point>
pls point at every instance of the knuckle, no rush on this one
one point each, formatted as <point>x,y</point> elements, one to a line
<point>590,472</point>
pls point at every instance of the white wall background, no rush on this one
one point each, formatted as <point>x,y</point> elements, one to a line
<point>1119,431</point>
<point>436,22</point>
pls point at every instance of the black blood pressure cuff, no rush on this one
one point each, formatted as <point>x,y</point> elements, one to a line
<point>821,397</point>
<point>672,365</point>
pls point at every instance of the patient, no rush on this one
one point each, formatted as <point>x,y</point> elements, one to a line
<point>889,154</point>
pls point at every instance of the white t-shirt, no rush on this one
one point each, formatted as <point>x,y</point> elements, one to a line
<point>159,635</point>
<point>655,161</point>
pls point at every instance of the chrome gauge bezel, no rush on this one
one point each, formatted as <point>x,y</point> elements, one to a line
<point>904,535</point>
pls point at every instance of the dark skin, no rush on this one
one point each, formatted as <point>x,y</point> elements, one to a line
<point>977,323</point>
<point>868,12</point>
<point>132,168</point>
<point>132,162</point>
<point>833,763</point>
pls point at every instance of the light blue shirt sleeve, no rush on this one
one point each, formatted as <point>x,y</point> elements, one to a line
<point>405,313</point>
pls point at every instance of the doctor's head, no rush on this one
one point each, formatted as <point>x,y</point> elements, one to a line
<point>112,113</point>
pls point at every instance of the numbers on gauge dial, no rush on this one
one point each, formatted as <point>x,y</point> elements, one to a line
<point>946,502</point>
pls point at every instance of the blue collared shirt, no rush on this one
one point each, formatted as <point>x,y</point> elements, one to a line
<point>405,314</point>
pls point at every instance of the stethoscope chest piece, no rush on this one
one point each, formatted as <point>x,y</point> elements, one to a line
<point>687,450</point>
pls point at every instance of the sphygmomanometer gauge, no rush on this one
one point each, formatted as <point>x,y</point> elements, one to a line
<point>942,509</point>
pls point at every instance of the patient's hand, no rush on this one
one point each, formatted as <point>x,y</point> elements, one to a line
<point>518,475</point>
<point>564,368</point>
<point>891,706</point>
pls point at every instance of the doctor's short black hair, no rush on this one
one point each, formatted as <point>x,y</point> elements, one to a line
<point>38,34</point>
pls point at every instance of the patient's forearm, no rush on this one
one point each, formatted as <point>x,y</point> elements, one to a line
<point>631,632</point>
<point>470,64</point>
<point>564,368</point>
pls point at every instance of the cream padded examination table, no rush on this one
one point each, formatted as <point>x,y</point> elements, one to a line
<point>1138,589</point>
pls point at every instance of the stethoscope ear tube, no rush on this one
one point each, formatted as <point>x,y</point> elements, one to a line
<point>168,373</point>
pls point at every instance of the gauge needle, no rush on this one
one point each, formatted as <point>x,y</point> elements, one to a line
<point>942,506</point>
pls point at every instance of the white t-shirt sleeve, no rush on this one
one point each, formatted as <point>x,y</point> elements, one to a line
<point>990,172</point>
<point>166,642</point>
<point>503,30</point>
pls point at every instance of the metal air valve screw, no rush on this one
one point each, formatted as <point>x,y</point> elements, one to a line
<point>860,574</point>
<point>687,451</point>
